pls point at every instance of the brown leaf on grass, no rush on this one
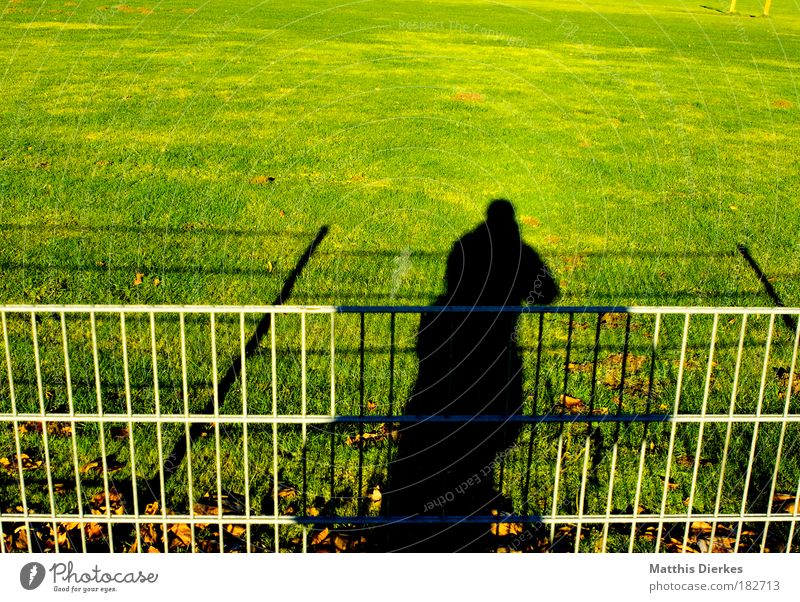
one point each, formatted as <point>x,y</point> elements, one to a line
<point>721,545</point>
<point>138,279</point>
<point>468,97</point>
<point>29,427</point>
<point>236,530</point>
<point>286,491</point>
<point>261,180</point>
<point>583,367</point>
<point>784,502</point>
<point>319,537</point>
<point>375,495</point>
<point>59,429</point>
<point>11,465</point>
<point>112,464</point>
<point>182,535</point>
<point>506,529</point>
<point>782,103</point>
<point>382,433</point>
<point>20,538</point>
<point>573,405</point>
<point>530,221</point>
<point>672,485</point>
<point>142,10</point>
<point>782,375</point>
<point>675,546</point>
<point>208,504</point>
<point>614,320</point>
<point>97,503</point>
<point>687,461</point>
<point>700,527</point>
<point>149,534</point>
<point>119,433</point>
<point>573,262</point>
<point>94,531</point>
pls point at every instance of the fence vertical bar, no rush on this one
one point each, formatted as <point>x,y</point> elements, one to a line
<point>589,434</point>
<point>245,445</point>
<point>675,409</point>
<point>303,427</point>
<point>615,448</point>
<point>728,429</point>
<point>333,374</point>
<point>215,375</point>
<point>17,444</point>
<point>754,441</point>
<point>45,437</point>
<point>73,435</point>
<point>554,508</point>
<point>700,431</point>
<point>101,426</point>
<point>274,361</point>
<point>389,441</point>
<point>781,438</point>
<point>333,412</point>
<point>795,515</point>
<point>361,409</point>
<point>643,446</point>
<point>185,387</point>
<point>534,411</point>
<point>131,435</point>
<point>159,437</point>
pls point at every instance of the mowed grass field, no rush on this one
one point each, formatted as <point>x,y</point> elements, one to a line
<point>189,153</point>
<point>640,143</point>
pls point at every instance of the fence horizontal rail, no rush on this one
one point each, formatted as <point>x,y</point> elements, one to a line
<point>123,519</point>
<point>398,309</point>
<point>402,419</point>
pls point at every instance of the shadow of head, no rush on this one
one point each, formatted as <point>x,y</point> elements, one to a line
<point>492,266</point>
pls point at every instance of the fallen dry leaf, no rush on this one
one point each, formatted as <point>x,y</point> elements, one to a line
<point>10,464</point>
<point>572,404</point>
<point>319,537</point>
<point>182,535</point>
<point>468,97</point>
<point>118,433</point>
<point>261,180</point>
<point>97,465</point>
<point>672,485</point>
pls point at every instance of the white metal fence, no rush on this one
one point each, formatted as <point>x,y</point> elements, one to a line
<point>273,428</point>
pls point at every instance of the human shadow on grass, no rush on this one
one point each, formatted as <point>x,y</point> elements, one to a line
<point>469,365</point>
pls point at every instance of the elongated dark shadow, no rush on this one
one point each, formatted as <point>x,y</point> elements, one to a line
<point>768,288</point>
<point>178,453</point>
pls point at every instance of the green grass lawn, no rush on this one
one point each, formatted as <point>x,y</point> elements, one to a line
<point>180,152</point>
